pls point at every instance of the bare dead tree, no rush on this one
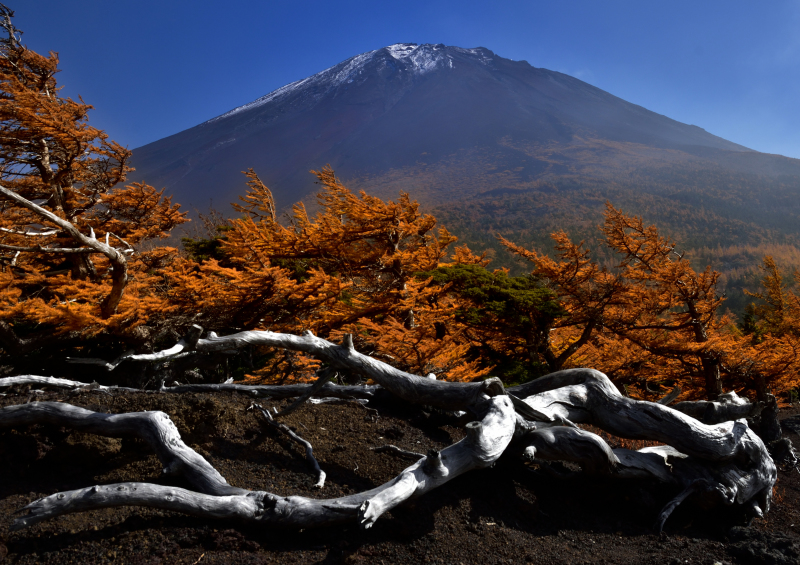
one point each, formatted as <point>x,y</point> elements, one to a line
<point>721,462</point>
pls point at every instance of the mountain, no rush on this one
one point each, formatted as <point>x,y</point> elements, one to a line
<point>394,107</point>
<point>492,145</point>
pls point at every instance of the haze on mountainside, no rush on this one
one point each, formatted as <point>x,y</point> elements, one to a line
<point>490,145</point>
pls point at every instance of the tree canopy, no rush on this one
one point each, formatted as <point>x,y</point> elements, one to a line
<point>69,262</point>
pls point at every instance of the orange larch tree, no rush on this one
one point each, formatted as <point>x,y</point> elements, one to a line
<point>778,308</point>
<point>584,289</point>
<point>349,269</point>
<point>649,317</point>
<point>68,239</point>
<point>772,332</point>
<point>665,307</point>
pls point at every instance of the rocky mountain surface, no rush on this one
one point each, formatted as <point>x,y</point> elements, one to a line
<point>398,107</point>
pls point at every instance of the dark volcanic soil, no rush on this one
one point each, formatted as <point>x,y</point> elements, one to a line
<point>507,514</point>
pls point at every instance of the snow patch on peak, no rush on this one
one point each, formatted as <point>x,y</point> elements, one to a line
<point>327,79</point>
<point>483,54</point>
<point>341,73</point>
<point>418,59</point>
<point>402,50</point>
<point>279,93</point>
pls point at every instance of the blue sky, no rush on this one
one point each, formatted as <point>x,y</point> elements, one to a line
<point>152,69</point>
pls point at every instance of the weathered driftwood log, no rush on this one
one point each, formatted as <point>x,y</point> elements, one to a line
<point>729,460</point>
<point>560,443</point>
<point>485,442</point>
<point>155,428</point>
<point>412,388</point>
<point>58,383</point>
<point>327,390</point>
<point>729,406</point>
<point>725,461</point>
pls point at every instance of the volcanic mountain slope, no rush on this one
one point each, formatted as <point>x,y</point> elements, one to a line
<point>397,106</point>
<point>495,145</point>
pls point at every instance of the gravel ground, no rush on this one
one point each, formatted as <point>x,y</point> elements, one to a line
<point>511,513</point>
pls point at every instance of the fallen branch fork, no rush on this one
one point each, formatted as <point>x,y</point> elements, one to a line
<point>283,428</point>
<point>485,442</point>
<point>412,388</point>
<point>725,462</point>
<point>155,428</point>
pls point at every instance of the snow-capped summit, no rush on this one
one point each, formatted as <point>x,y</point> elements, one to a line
<point>401,50</point>
<point>441,111</point>
<point>409,58</point>
<point>424,58</point>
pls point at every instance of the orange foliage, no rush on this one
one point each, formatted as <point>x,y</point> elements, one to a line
<point>652,317</point>
<point>75,263</point>
<point>584,288</point>
<point>69,264</point>
<point>772,328</point>
<point>350,269</point>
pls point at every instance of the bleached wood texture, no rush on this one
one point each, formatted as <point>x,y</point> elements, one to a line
<point>56,383</point>
<point>725,462</point>
<point>412,388</point>
<point>728,406</point>
<point>485,442</point>
<point>729,457</point>
<point>154,427</point>
<point>328,390</point>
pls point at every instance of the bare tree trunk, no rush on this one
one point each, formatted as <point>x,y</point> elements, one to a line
<point>760,386</point>
<point>119,280</point>
<point>712,377</point>
<point>81,267</point>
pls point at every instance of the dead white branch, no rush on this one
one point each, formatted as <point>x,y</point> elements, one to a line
<point>59,383</point>
<point>485,442</point>
<point>412,388</point>
<point>155,428</point>
<point>283,428</point>
<point>729,457</point>
<point>328,390</point>
<point>724,462</point>
<point>397,451</point>
<point>31,232</point>
<point>728,406</point>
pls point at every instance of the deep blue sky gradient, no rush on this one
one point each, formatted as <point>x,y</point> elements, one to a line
<point>152,69</point>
